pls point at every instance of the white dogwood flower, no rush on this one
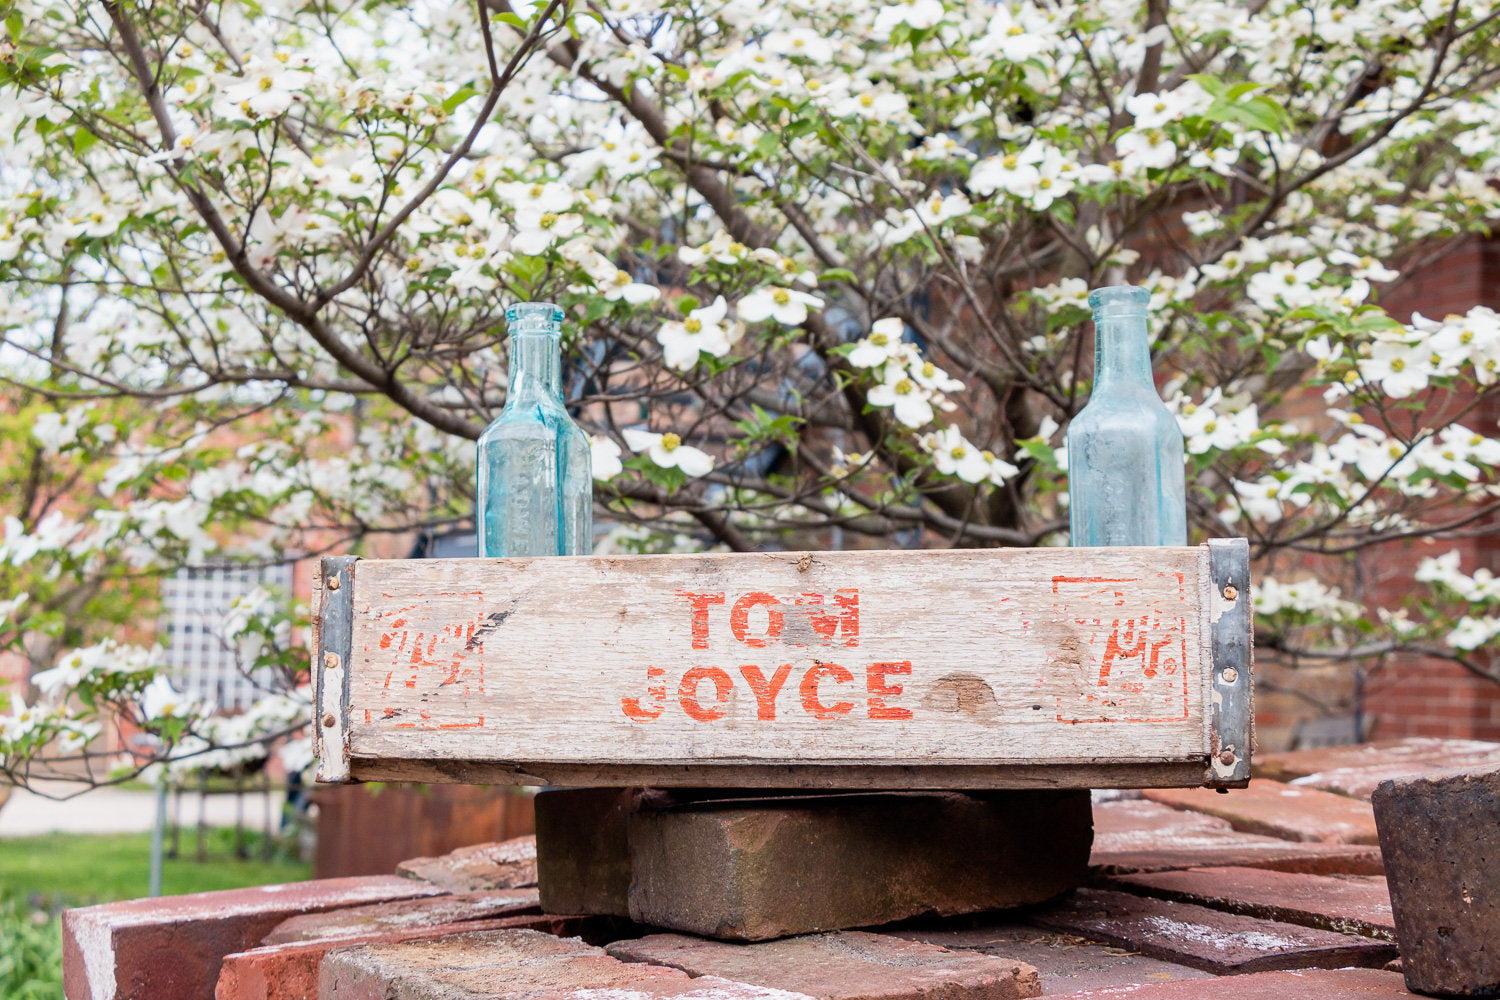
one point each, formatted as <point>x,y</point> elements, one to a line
<point>911,403</point>
<point>702,330</point>
<point>537,230</point>
<point>1146,149</point>
<point>955,455</point>
<point>1015,173</point>
<point>881,345</point>
<point>786,306</point>
<point>668,451</point>
<point>604,457</point>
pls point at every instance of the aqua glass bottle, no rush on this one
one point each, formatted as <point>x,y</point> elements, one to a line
<point>1125,460</point>
<point>535,484</point>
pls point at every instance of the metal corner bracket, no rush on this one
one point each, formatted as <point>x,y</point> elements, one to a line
<point>330,668</point>
<point>1231,618</point>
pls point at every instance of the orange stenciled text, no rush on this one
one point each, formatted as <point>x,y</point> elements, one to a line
<point>759,620</point>
<point>825,691</point>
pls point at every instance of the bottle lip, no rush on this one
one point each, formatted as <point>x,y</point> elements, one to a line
<point>1119,299</point>
<point>534,317</point>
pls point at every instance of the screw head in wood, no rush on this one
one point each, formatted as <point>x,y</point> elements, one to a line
<point>1226,757</point>
<point>330,661</point>
<point>333,583</point>
<point>328,721</point>
<point>1231,592</point>
<point>1230,675</point>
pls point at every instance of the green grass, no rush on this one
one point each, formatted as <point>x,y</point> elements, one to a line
<point>77,869</point>
<point>39,876</point>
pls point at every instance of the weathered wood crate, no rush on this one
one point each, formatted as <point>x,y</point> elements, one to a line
<point>1000,668</point>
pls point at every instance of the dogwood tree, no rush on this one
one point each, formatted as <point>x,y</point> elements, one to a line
<point>824,263</point>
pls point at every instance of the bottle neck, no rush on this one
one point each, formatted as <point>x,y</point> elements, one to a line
<point>1122,354</point>
<point>535,365</point>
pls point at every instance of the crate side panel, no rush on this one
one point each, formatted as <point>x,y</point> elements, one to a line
<point>918,657</point>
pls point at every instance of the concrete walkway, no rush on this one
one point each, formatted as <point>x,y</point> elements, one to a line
<point>115,810</point>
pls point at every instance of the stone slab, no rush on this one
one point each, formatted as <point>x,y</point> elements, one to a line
<point>1064,962</point>
<point>1302,984</point>
<point>506,864</point>
<point>290,971</point>
<point>1357,770</point>
<point>1441,837</point>
<point>846,965</point>
<point>760,869</point>
<point>405,913</point>
<point>1138,835</point>
<point>1352,904</point>
<point>170,947</point>
<point>1275,809</point>
<point>512,965</point>
<point>1222,943</point>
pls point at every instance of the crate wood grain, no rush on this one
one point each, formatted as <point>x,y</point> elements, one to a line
<point>1007,668</point>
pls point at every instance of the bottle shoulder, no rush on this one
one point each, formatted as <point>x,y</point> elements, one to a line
<point>530,418</point>
<point>1135,403</point>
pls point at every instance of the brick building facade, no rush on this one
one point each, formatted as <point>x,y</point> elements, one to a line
<point>1406,695</point>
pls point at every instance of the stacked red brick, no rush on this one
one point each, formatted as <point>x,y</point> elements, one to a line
<point>1285,901</point>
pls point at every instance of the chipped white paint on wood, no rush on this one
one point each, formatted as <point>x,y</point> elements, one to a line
<point>1085,659</point>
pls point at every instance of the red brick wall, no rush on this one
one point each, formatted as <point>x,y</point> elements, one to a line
<point>1399,695</point>
<point>1416,696</point>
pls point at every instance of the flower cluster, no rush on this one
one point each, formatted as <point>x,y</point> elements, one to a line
<point>1308,598</point>
<point>914,388</point>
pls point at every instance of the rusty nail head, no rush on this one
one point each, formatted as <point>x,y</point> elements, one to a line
<point>330,661</point>
<point>333,583</point>
<point>1230,675</point>
<point>1230,592</point>
<point>328,721</point>
<point>1227,757</point>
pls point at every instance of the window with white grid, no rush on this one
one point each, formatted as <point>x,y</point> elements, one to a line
<point>194,605</point>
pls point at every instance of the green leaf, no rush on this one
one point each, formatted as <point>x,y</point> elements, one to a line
<point>768,143</point>
<point>837,274</point>
<point>83,141</point>
<point>1213,85</point>
<point>1371,320</point>
<point>1259,112</point>
<point>595,308</point>
<point>460,96</point>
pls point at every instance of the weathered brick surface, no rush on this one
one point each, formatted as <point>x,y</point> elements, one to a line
<point>508,864</point>
<point>1274,809</point>
<point>846,965</point>
<point>378,917</point>
<point>511,965</point>
<point>754,870</point>
<point>1441,838</point>
<point>1212,940</point>
<point>170,948</point>
<point>290,971</point>
<point>1354,904</point>
<point>1138,835</point>
<point>1304,984</point>
<point>1065,963</point>
<point>582,848</point>
<point>1357,770</point>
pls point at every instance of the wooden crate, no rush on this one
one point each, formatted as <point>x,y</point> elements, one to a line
<point>998,668</point>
